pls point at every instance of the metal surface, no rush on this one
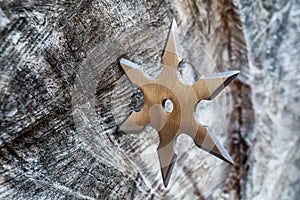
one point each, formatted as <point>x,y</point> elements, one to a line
<point>170,122</point>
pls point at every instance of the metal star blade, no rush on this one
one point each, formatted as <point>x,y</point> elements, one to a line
<point>183,97</point>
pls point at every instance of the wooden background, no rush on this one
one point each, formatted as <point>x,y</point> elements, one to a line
<point>62,96</point>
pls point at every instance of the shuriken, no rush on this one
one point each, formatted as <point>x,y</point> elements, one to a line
<point>184,98</point>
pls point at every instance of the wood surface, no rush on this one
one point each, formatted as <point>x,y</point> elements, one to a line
<point>63,95</point>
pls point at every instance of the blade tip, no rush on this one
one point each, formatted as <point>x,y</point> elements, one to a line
<point>228,159</point>
<point>167,175</point>
<point>174,24</point>
<point>235,72</point>
<point>121,60</point>
<point>224,155</point>
<point>166,182</point>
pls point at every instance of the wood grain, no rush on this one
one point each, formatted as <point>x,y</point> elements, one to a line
<point>62,95</point>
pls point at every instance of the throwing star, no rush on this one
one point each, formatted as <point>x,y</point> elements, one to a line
<point>180,119</point>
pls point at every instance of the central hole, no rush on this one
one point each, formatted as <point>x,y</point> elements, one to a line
<point>167,105</point>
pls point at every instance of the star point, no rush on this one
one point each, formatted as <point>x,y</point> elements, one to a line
<point>172,54</point>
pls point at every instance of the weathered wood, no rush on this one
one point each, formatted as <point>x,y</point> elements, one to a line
<point>62,96</point>
<point>272,35</point>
